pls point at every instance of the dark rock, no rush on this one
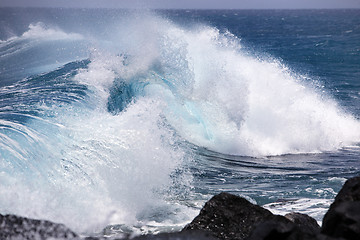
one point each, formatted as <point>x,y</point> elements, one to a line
<point>280,231</point>
<point>305,222</point>
<point>228,216</point>
<point>299,227</point>
<point>325,237</point>
<point>19,228</point>
<point>343,218</point>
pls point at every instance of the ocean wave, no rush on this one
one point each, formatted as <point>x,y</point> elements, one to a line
<point>40,30</point>
<point>106,139</point>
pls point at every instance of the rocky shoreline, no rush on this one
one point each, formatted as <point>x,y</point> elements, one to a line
<point>225,216</point>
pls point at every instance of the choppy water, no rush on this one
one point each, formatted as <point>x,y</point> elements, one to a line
<point>132,120</point>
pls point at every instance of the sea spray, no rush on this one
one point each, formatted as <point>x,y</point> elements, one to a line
<point>221,98</point>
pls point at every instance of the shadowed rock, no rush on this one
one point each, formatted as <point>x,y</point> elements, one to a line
<point>307,223</point>
<point>343,218</point>
<point>299,227</point>
<point>280,231</point>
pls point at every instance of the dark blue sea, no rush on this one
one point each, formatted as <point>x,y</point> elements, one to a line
<point>126,121</point>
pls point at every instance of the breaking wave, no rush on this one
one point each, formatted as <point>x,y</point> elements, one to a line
<point>106,138</point>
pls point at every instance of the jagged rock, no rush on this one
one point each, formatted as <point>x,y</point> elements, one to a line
<point>13,227</point>
<point>307,223</point>
<point>343,218</point>
<point>228,216</point>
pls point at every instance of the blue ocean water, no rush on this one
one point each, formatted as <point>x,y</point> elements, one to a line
<point>131,120</point>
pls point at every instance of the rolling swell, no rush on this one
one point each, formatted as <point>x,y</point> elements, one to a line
<point>39,49</point>
<point>29,100</point>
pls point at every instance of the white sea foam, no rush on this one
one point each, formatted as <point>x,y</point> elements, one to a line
<point>315,208</point>
<point>258,107</point>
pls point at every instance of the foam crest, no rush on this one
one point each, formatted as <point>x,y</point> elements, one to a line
<point>40,31</point>
<point>238,104</point>
<point>287,115</point>
<point>221,98</point>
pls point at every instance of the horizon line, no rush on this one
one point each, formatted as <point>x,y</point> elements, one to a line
<point>186,9</point>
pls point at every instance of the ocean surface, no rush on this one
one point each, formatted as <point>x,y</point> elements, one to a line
<point>119,121</point>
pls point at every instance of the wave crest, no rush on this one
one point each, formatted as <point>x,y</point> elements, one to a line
<point>40,31</point>
<point>219,97</point>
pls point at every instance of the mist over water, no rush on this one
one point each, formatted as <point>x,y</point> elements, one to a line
<point>109,123</point>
